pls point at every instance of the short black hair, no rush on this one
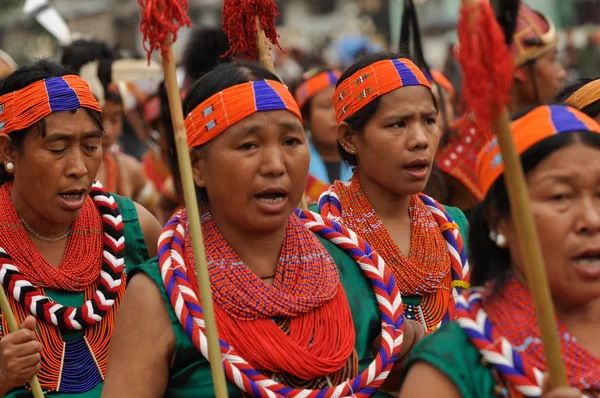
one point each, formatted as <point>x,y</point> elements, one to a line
<point>359,120</point>
<point>204,51</point>
<point>23,77</point>
<point>83,51</point>
<point>593,109</point>
<point>488,262</point>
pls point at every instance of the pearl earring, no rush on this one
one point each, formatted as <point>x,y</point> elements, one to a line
<point>10,166</point>
<point>501,241</point>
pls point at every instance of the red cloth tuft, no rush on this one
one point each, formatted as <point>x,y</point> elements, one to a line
<point>486,62</point>
<point>161,18</point>
<point>239,24</point>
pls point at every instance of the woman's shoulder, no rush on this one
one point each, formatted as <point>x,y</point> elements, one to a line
<point>450,351</point>
<point>142,228</point>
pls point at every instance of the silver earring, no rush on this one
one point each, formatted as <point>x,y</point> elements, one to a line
<point>10,166</point>
<point>501,241</point>
<point>352,150</point>
<point>493,236</point>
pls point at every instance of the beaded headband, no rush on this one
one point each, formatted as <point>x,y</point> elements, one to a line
<point>232,105</point>
<point>585,96</point>
<point>313,85</point>
<point>539,124</point>
<point>375,80</point>
<point>27,106</point>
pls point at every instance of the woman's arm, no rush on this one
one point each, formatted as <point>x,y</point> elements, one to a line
<point>151,229</point>
<point>142,345</point>
<point>425,381</point>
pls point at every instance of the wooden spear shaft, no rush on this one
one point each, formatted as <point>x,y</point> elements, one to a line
<point>13,326</point>
<point>522,217</point>
<point>264,56</point>
<point>537,279</point>
<point>193,216</point>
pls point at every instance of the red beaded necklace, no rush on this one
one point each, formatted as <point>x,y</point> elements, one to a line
<point>306,289</point>
<point>426,269</point>
<point>512,314</point>
<point>82,260</point>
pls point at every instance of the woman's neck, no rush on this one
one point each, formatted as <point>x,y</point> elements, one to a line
<point>38,223</point>
<point>329,153</point>
<point>259,251</point>
<point>388,205</point>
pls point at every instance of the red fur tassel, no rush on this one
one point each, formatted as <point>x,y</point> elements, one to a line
<point>486,62</point>
<point>239,24</point>
<point>161,18</point>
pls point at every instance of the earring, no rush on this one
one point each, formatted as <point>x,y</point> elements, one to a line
<point>493,236</point>
<point>10,166</point>
<point>501,241</point>
<point>352,150</point>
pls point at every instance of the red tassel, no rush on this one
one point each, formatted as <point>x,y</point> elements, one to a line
<point>239,24</point>
<point>161,18</point>
<point>486,62</point>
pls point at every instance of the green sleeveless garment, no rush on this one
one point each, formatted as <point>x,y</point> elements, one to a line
<point>135,253</point>
<point>190,373</point>
<point>449,351</point>
<point>459,217</point>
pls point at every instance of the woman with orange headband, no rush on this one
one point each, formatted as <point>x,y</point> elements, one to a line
<point>313,96</point>
<point>387,129</point>
<point>65,242</point>
<point>295,312</point>
<point>494,348</point>
<point>583,95</point>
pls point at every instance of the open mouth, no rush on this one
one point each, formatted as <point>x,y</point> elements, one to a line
<point>271,196</point>
<point>72,195</point>
<point>588,259</point>
<point>417,166</point>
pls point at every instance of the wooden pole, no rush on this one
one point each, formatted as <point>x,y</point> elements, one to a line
<point>522,217</point>
<point>193,215</point>
<point>13,326</point>
<point>537,279</point>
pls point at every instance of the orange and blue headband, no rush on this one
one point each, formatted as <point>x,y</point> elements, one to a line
<point>374,81</point>
<point>232,105</point>
<point>313,85</point>
<point>534,127</point>
<point>25,107</point>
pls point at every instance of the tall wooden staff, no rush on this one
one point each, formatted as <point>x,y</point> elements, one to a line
<point>250,25</point>
<point>161,19</point>
<point>13,326</point>
<point>486,61</point>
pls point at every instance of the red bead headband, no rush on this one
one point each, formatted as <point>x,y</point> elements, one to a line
<point>232,105</point>
<point>313,85</point>
<point>374,81</point>
<point>27,106</point>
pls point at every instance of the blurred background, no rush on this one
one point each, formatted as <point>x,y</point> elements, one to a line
<point>331,31</point>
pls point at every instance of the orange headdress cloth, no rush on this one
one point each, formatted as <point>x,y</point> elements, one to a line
<point>313,85</point>
<point>585,96</point>
<point>374,81</point>
<point>232,105</point>
<point>534,127</point>
<point>27,106</point>
<point>534,35</point>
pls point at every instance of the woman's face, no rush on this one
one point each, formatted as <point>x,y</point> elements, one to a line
<point>565,197</point>
<point>112,122</point>
<point>323,123</point>
<point>549,75</point>
<point>53,174</point>
<point>398,145</point>
<point>255,172</point>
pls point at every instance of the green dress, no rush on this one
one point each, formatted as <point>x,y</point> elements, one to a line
<point>190,373</point>
<point>450,351</point>
<point>136,252</point>
<point>459,217</point>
